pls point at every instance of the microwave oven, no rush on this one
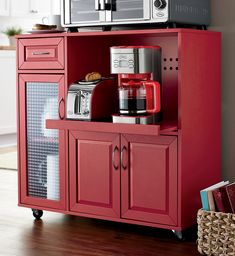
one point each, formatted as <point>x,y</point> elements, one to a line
<point>90,13</point>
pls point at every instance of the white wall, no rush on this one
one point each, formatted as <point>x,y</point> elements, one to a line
<point>25,23</point>
<point>223,19</point>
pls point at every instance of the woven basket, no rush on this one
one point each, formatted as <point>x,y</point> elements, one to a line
<point>216,233</point>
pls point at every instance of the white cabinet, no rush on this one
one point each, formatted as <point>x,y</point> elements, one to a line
<point>4,7</point>
<point>40,7</point>
<point>55,6</point>
<point>19,8</point>
<point>8,92</point>
<point>30,8</point>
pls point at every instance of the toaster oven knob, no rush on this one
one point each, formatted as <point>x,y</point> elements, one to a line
<point>160,4</point>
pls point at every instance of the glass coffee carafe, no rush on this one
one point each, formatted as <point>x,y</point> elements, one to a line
<point>137,97</point>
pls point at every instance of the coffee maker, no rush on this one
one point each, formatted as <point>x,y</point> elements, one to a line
<point>139,83</point>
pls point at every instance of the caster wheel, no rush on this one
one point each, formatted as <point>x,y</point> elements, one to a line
<point>179,235</point>
<point>37,214</point>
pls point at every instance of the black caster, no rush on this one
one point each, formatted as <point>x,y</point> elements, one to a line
<point>179,235</point>
<point>37,214</point>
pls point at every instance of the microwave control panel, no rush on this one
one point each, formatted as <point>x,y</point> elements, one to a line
<point>160,9</point>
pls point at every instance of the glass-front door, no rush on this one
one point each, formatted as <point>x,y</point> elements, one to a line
<point>41,150</point>
<point>130,10</point>
<point>84,11</point>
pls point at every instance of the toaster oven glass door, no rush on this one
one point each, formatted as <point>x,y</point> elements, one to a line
<point>84,11</point>
<point>123,10</point>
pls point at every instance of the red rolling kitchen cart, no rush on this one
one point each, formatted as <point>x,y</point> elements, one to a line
<point>141,174</point>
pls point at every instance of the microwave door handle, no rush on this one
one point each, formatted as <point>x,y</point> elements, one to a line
<point>97,5</point>
<point>102,5</point>
<point>108,5</point>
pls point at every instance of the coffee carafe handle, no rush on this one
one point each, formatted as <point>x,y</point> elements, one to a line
<point>153,88</point>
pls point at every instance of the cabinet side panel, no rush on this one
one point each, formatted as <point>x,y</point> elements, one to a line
<point>199,119</point>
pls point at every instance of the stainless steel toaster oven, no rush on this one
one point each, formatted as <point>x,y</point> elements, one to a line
<point>87,13</point>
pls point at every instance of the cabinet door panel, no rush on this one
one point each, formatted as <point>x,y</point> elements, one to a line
<point>149,184</point>
<point>41,150</point>
<point>40,7</point>
<point>19,8</point>
<point>95,183</point>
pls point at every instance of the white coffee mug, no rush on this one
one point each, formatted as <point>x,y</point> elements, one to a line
<point>53,20</point>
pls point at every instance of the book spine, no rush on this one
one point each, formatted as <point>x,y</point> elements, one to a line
<point>211,200</point>
<point>221,200</point>
<point>204,199</point>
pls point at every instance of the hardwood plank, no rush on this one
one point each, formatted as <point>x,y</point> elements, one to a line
<point>63,235</point>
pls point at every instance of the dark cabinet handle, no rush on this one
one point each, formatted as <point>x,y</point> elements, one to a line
<point>124,148</point>
<point>60,101</point>
<point>115,166</point>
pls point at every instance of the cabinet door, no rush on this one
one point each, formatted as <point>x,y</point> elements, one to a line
<point>31,8</point>
<point>94,173</point>
<point>4,7</point>
<point>41,151</point>
<point>149,178</point>
<point>40,7</point>
<point>19,8</point>
<point>8,112</point>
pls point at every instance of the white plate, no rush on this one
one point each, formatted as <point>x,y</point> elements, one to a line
<point>43,31</point>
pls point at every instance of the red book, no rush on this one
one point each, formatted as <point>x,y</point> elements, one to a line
<point>230,189</point>
<point>221,200</point>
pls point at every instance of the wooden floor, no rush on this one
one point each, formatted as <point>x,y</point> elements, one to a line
<point>63,235</point>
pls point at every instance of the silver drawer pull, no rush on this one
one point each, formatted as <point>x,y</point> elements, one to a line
<point>41,53</point>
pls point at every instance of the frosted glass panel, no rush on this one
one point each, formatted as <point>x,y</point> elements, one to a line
<point>83,11</point>
<point>128,9</point>
<point>42,143</point>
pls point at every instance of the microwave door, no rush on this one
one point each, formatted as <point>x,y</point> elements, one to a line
<point>124,10</point>
<point>85,12</point>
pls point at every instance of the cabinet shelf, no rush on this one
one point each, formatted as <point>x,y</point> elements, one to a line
<point>162,128</point>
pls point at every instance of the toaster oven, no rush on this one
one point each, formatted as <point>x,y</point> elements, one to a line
<point>88,13</point>
<point>96,100</point>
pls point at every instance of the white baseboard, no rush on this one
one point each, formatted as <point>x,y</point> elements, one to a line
<point>8,140</point>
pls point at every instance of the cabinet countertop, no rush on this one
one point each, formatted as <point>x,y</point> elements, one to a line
<point>7,47</point>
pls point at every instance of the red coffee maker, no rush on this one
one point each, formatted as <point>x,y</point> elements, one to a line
<point>139,82</point>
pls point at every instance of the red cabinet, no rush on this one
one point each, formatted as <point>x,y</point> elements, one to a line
<point>128,176</point>
<point>41,151</point>
<point>142,174</point>
<point>149,178</point>
<point>94,173</point>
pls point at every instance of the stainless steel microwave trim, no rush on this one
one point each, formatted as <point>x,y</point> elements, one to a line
<point>66,15</point>
<point>194,12</point>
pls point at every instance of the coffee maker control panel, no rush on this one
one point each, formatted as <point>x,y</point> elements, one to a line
<point>123,63</point>
<point>134,59</point>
